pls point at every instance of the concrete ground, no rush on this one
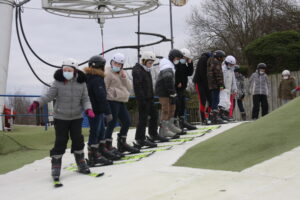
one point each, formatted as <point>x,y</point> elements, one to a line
<point>154,178</point>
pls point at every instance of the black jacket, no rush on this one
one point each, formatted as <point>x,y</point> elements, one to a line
<point>183,71</point>
<point>200,76</point>
<point>97,91</point>
<point>165,83</point>
<point>142,83</point>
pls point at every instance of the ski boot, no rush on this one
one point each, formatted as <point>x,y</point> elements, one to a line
<point>56,166</point>
<point>206,122</point>
<point>157,138</point>
<point>185,124</point>
<point>172,127</point>
<point>106,153</point>
<point>243,115</point>
<point>164,131</point>
<point>81,164</point>
<point>95,158</point>
<point>224,114</point>
<point>144,143</point>
<point>215,118</point>
<point>123,146</point>
<point>113,149</point>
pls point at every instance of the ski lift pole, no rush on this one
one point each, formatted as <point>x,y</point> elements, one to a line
<point>171,25</point>
<point>101,21</point>
<point>139,37</point>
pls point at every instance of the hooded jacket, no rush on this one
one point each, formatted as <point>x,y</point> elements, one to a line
<point>165,83</point>
<point>259,84</point>
<point>118,88</point>
<point>71,96</point>
<point>214,74</point>
<point>97,90</point>
<point>229,78</point>
<point>183,71</point>
<point>285,88</point>
<point>142,83</point>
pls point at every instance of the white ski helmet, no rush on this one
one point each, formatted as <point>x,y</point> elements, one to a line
<point>286,73</point>
<point>230,60</point>
<point>119,58</point>
<point>148,55</point>
<point>186,53</point>
<point>70,62</point>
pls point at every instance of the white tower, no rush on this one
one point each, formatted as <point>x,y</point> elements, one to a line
<point>6,10</point>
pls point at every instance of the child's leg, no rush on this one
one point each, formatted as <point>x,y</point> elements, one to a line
<point>124,118</point>
<point>94,129</point>
<point>114,107</point>
<point>255,109</point>
<point>76,135</point>
<point>61,137</point>
<point>164,101</point>
<point>264,105</point>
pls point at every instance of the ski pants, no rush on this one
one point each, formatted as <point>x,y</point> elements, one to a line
<point>64,129</point>
<point>146,109</point>
<point>215,98</point>
<point>119,112</point>
<point>97,129</point>
<point>168,109</point>
<point>180,103</point>
<point>240,105</point>
<point>204,97</point>
<point>257,101</point>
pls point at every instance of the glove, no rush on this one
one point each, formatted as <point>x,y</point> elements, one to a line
<point>173,98</point>
<point>108,118</point>
<point>294,90</point>
<point>33,106</point>
<point>90,113</point>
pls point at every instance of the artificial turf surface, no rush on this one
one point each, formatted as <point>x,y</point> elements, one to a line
<point>250,143</point>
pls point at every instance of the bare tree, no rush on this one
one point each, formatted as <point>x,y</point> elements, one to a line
<point>232,24</point>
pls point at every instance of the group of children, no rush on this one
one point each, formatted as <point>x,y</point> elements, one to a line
<point>102,94</point>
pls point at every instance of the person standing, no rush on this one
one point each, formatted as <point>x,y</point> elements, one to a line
<point>143,89</point>
<point>165,90</point>
<point>183,70</point>
<point>215,83</point>
<point>118,89</point>
<point>201,86</point>
<point>240,95</point>
<point>259,88</point>
<point>70,91</point>
<point>287,84</point>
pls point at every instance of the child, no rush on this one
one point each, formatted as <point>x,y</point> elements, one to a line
<point>230,86</point>
<point>240,95</point>
<point>259,88</point>
<point>286,85</point>
<point>69,90</point>
<point>165,89</point>
<point>118,89</point>
<point>97,94</point>
<point>143,89</point>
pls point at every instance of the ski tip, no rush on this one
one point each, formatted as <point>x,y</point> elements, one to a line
<point>57,184</point>
<point>98,174</point>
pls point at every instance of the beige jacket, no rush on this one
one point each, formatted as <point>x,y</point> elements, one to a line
<point>118,88</point>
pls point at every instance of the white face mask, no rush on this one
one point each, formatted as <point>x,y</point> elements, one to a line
<point>183,61</point>
<point>176,62</point>
<point>68,75</point>
<point>261,72</point>
<point>285,77</point>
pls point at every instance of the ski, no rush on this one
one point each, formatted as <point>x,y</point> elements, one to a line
<point>73,168</point>
<point>187,139</point>
<point>57,183</point>
<point>210,127</point>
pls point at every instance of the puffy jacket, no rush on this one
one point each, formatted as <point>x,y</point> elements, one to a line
<point>118,88</point>
<point>142,83</point>
<point>285,88</point>
<point>165,83</point>
<point>214,74</point>
<point>229,79</point>
<point>200,76</point>
<point>240,83</point>
<point>97,90</point>
<point>259,84</point>
<point>71,96</point>
<point>183,71</point>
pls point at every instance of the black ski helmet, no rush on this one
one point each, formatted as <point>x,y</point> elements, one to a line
<point>261,66</point>
<point>175,53</point>
<point>97,62</point>
<point>219,54</point>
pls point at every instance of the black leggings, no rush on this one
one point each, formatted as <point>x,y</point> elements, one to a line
<point>257,100</point>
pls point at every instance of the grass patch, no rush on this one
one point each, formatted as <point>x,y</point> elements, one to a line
<point>25,144</point>
<point>248,144</point>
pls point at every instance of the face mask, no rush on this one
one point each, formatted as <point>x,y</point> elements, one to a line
<point>116,69</point>
<point>176,62</point>
<point>68,75</point>
<point>261,72</point>
<point>182,61</point>
<point>285,77</point>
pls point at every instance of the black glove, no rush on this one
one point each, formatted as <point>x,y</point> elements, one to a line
<point>173,99</point>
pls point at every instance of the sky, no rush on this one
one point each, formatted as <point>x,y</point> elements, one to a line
<point>56,38</point>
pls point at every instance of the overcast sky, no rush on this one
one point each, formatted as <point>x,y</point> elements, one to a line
<point>55,38</point>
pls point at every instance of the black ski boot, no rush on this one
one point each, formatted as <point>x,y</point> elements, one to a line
<point>81,164</point>
<point>56,166</point>
<point>158,138</point>
<point>113,149</point>
<point>243,115</point>
<point>215,118</point>
<point>184,124</point>
<point>123,146</point>
<point>144,143</point>
<point>95,158</point>
<point>108,154</point>
<point>224,114</point>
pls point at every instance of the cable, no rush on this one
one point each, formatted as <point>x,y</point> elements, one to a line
<point>26,41</point>
<point>23,51</point>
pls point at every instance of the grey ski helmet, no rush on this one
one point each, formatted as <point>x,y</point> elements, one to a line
<point>175,53</point>
<point>97,62</point>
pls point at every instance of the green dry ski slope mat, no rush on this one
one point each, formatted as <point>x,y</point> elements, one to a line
<point>250,143</point>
